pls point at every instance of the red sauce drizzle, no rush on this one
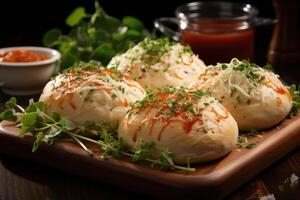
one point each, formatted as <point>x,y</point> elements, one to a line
<point>97,84</point>
<point>278,89</point>
<point>163,129</point>
<point>181,116</point>
<point>188,124</point>
<point>283,91</point>
<point>125,103</point>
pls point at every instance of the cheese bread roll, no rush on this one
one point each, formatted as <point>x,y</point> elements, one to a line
<point>91,94</point>
<point>158,63</point>
<point>254,96</point>
<point>192,125</point>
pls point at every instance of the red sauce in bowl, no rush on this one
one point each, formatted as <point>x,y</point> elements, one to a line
<point>21,55</point>
<point>220,40</point>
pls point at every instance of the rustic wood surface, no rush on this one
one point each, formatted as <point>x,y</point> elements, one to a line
<point>21,179</point>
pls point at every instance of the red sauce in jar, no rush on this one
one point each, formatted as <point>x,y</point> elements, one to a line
<point>220,40</point>
<point>21,55</point>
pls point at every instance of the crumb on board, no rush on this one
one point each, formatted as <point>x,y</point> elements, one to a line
<point>268,197</point>
<point>293,180</point>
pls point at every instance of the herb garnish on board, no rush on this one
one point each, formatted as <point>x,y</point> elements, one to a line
<point>295,93</point>
<point>51,128</point>
<point>243,139</point>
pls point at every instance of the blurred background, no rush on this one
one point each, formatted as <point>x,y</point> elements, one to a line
<point>23,22</point>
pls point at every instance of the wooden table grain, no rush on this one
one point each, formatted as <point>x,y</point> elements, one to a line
<point>25,180</point>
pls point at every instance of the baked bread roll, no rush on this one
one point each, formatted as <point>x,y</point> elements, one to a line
<point>158,63</point>
<point>91,94</point>
<point>254,96</point>
<point>193,126</point>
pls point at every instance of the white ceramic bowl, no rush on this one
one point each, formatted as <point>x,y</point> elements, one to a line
<point>28,78</point>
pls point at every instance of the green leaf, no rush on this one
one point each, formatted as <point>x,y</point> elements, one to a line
<point>113,23</point>
<point>165,159</point>
<point>76,16</point>
<point>104,53</point>
<point>108,23</point>
<point>51,36</point>
<point>68,45</point>
<point>34,107</point>
<point>11,103</point>
<point>86,126</point>
<point>295,93</point>
<point>133,34</point>
<point>67,124</point>
<point>9,115</point>
<point>143,151</point>
<point>55,116</point>
<point>133,23</point>
<point>105,156</point>
<point>128,35</point>
<point>99,36</point>
<point>39,138</point>
<point>67,60</point>
<point>29,122</point>
<point>123,46</point>
<point>81,36</point>
<point>85,56</point>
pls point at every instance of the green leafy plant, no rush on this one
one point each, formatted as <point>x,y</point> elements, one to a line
<point>295,93</point>
<point>243,142</point>
<point>48,129</point>
<point>96,36</point>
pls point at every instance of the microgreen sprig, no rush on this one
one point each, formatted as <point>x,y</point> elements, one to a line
<point>243,142</point>
<point>48,129</point>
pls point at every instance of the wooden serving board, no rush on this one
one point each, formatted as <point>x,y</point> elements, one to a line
<point>211,180</point>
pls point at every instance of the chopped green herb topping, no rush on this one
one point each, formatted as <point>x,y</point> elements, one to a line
<point>154,50</point>
<point>113,95</point>
<point>250,70</point>
<point>171,102</point>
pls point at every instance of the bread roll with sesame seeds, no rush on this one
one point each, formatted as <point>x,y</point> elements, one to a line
<point>192,125</point>
<point>158,63</point>
<point>91,94</point>
<point>254,96</point>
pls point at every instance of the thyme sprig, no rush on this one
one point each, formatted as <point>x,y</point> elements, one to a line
<point>48,129</point>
